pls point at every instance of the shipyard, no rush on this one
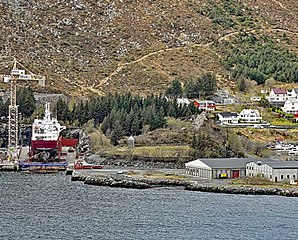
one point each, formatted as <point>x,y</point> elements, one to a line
<point>148,119</point>
<point>49,150</point>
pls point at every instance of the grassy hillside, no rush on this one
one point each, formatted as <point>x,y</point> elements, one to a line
<point>91,47</point>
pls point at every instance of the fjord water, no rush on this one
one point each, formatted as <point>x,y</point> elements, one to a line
<point>37,206</point>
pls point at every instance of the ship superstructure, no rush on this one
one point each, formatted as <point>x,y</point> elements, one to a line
<point>46,135</point>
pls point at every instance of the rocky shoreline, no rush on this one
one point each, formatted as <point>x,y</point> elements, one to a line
<point>124,181</point>
<point>128,182</point>
<point>291,192</point>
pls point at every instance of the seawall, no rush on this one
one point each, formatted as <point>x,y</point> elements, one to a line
<point>125,181</point>
<point>128,182</point>
<point>228,189</point>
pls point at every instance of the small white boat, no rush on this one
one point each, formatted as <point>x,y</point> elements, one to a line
<point>280,146</point>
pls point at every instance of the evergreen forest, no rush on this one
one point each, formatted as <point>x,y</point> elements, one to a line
<point>117,115</point>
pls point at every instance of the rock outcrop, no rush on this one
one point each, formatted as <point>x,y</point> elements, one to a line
<point>194,186</point>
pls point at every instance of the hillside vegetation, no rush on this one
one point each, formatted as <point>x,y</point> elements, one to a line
<point>92,47</point>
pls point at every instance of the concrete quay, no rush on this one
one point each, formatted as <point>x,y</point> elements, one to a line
<point>8,166</point>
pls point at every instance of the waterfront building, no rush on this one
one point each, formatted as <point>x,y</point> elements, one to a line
<point>276,171</point>
<point>218,167</point>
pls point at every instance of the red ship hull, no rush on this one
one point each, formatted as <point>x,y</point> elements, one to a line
<point>44,150</point>
<point>43,145</point>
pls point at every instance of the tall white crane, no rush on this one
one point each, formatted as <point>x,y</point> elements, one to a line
<point>15,76</point>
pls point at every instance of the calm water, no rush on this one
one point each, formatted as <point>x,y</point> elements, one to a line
<point>53,207</point>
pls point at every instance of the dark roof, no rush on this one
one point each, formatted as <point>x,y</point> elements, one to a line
<point>279,91</point>
<point>227,163</point>
<point>296,90</point>
<point>228,114</point>
<point>283,164</point>
<point>279,164</point>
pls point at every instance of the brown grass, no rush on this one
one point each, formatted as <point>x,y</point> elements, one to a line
<point>76,58</point>
<point>260,182</point>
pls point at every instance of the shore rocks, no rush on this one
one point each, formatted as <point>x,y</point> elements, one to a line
<point>124,181</point>
<point>128,182</point>
<point>194,186</point>
<point>116,182</point>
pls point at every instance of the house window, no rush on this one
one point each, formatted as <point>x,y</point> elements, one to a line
<point>294,176</point>
<point>270,176</point>
<point>288,176</point>
<point>281,176</point>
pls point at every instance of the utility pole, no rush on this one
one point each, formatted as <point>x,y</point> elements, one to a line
<point>15,76</point>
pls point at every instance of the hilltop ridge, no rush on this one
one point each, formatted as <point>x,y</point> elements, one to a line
<point>88,47</point>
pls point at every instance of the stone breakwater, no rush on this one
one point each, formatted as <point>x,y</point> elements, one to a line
<point>194,186</point>
<point>128,182</point>
<point>124,181</point>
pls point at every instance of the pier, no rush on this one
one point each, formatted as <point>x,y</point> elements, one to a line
<point>8,166</point>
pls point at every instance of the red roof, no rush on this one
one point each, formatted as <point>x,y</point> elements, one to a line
<point>279,91</point>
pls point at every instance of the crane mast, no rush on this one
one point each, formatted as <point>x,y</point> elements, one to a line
<point>15,76</point>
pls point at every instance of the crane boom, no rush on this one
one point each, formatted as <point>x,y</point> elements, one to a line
<point>15,76</point>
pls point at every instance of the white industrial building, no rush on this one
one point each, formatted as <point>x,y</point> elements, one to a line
<point>276,171</point>
<point>218,167</point>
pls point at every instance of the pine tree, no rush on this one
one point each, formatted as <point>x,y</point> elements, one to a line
<point>241,84</point>
<point>175,89</point>
<point>26,102</point>
<point>2,108</point>
<point>136,124</point>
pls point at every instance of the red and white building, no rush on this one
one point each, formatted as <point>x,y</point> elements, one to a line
<point>205,105</point>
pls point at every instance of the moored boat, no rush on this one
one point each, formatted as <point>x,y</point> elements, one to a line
<point>81,164</point>
<point>38,167</point>
<point>46,140</point>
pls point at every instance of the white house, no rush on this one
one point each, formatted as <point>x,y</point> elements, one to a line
<point>223,97</point>
<point>264,91</point>
<point>276,171</point>
<point>293,93</point>
<point>250,116</point>
<point>255,98</point>
<point>227,117</point>
<point>277,95</point>
<point>183,101</point>
<point>291,106</point>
